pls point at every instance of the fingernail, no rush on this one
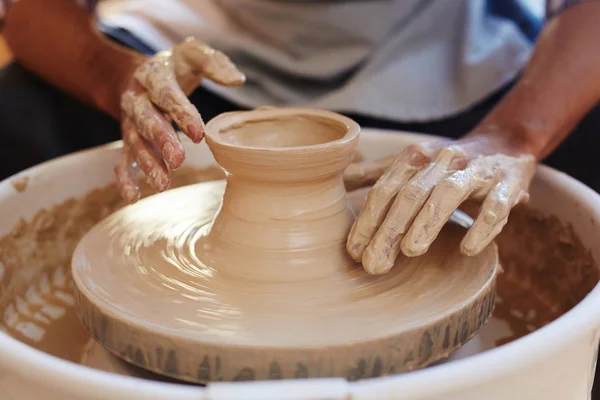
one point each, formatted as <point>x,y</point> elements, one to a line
<point>168,152</point>
<point>195,132</point>
<point>468,248</point>
<point>490,217</point>
<point>158,180</point>
<point>130,195</point>
<point>376,264</point>
<point>172,157</point>
<point>413,248</point>
<point>355,250</point>
<point>354,244</point>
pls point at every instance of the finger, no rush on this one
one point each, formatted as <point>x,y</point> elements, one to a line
<point>124,171</point>
<point>210,63</point>
<point>146,158</point>
<point>366,173</point>
<point>447,196</point>
<point>164,91</point>
<point>492,217</point>
<point>526,167</point>
<point>382,194</point>
<point>154,127</point>
<point>523,197</point>
<point>381,254</point>
<point>358,157</point>
<point>378,202</point>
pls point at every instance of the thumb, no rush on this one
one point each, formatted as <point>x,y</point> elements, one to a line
<point>194,60</point>
<point>366,173</point>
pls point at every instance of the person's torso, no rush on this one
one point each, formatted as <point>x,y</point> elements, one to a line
<point>403,60</point>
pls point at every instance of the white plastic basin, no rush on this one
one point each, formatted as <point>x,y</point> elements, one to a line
<point>555,362</point>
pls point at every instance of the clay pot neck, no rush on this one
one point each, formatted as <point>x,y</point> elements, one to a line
<point>284,214</point>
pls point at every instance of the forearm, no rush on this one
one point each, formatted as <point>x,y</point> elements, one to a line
<point>559,86</point>
<point>57,41</point>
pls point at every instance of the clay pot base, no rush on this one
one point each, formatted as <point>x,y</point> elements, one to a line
<point>188,315</point>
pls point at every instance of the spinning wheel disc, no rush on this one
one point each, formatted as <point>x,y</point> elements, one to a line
<point>146,293</point>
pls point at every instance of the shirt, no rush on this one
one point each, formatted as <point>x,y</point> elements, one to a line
<point>403,60</point>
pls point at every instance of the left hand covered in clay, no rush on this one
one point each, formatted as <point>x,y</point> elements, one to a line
<point>421,188</point>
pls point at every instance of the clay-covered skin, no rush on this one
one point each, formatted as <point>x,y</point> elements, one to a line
<point>265,288</point>
<point>157,95</point>
<point>421,188</point>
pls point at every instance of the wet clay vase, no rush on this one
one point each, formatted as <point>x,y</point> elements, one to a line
<point>249,279</point>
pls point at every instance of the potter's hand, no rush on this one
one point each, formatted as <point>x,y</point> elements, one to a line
<point>155,95</point>
<point>421,188</point>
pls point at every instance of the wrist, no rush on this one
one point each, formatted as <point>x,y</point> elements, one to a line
<point>512,137</point>
<point>521,123</point>
<point>121,64</point>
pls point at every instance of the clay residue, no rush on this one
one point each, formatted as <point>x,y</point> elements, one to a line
<point>20,184</point>
<point>547,270</point>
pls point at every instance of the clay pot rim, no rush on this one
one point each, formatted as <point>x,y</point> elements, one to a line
<point>54,373</point>
<point>226,120</point>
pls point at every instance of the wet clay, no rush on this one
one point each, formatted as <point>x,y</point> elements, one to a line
<point>547,271</point>
<point>20,184</point>
<point>252,280</point>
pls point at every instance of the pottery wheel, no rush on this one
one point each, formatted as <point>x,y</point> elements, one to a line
<point>268,291</point>
<point>174,316</point>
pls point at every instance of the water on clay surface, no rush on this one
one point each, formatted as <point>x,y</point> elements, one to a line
<point>546,272</point>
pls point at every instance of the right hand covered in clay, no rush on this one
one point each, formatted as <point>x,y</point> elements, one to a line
<point>155,96</point>
<point>421,188</point>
